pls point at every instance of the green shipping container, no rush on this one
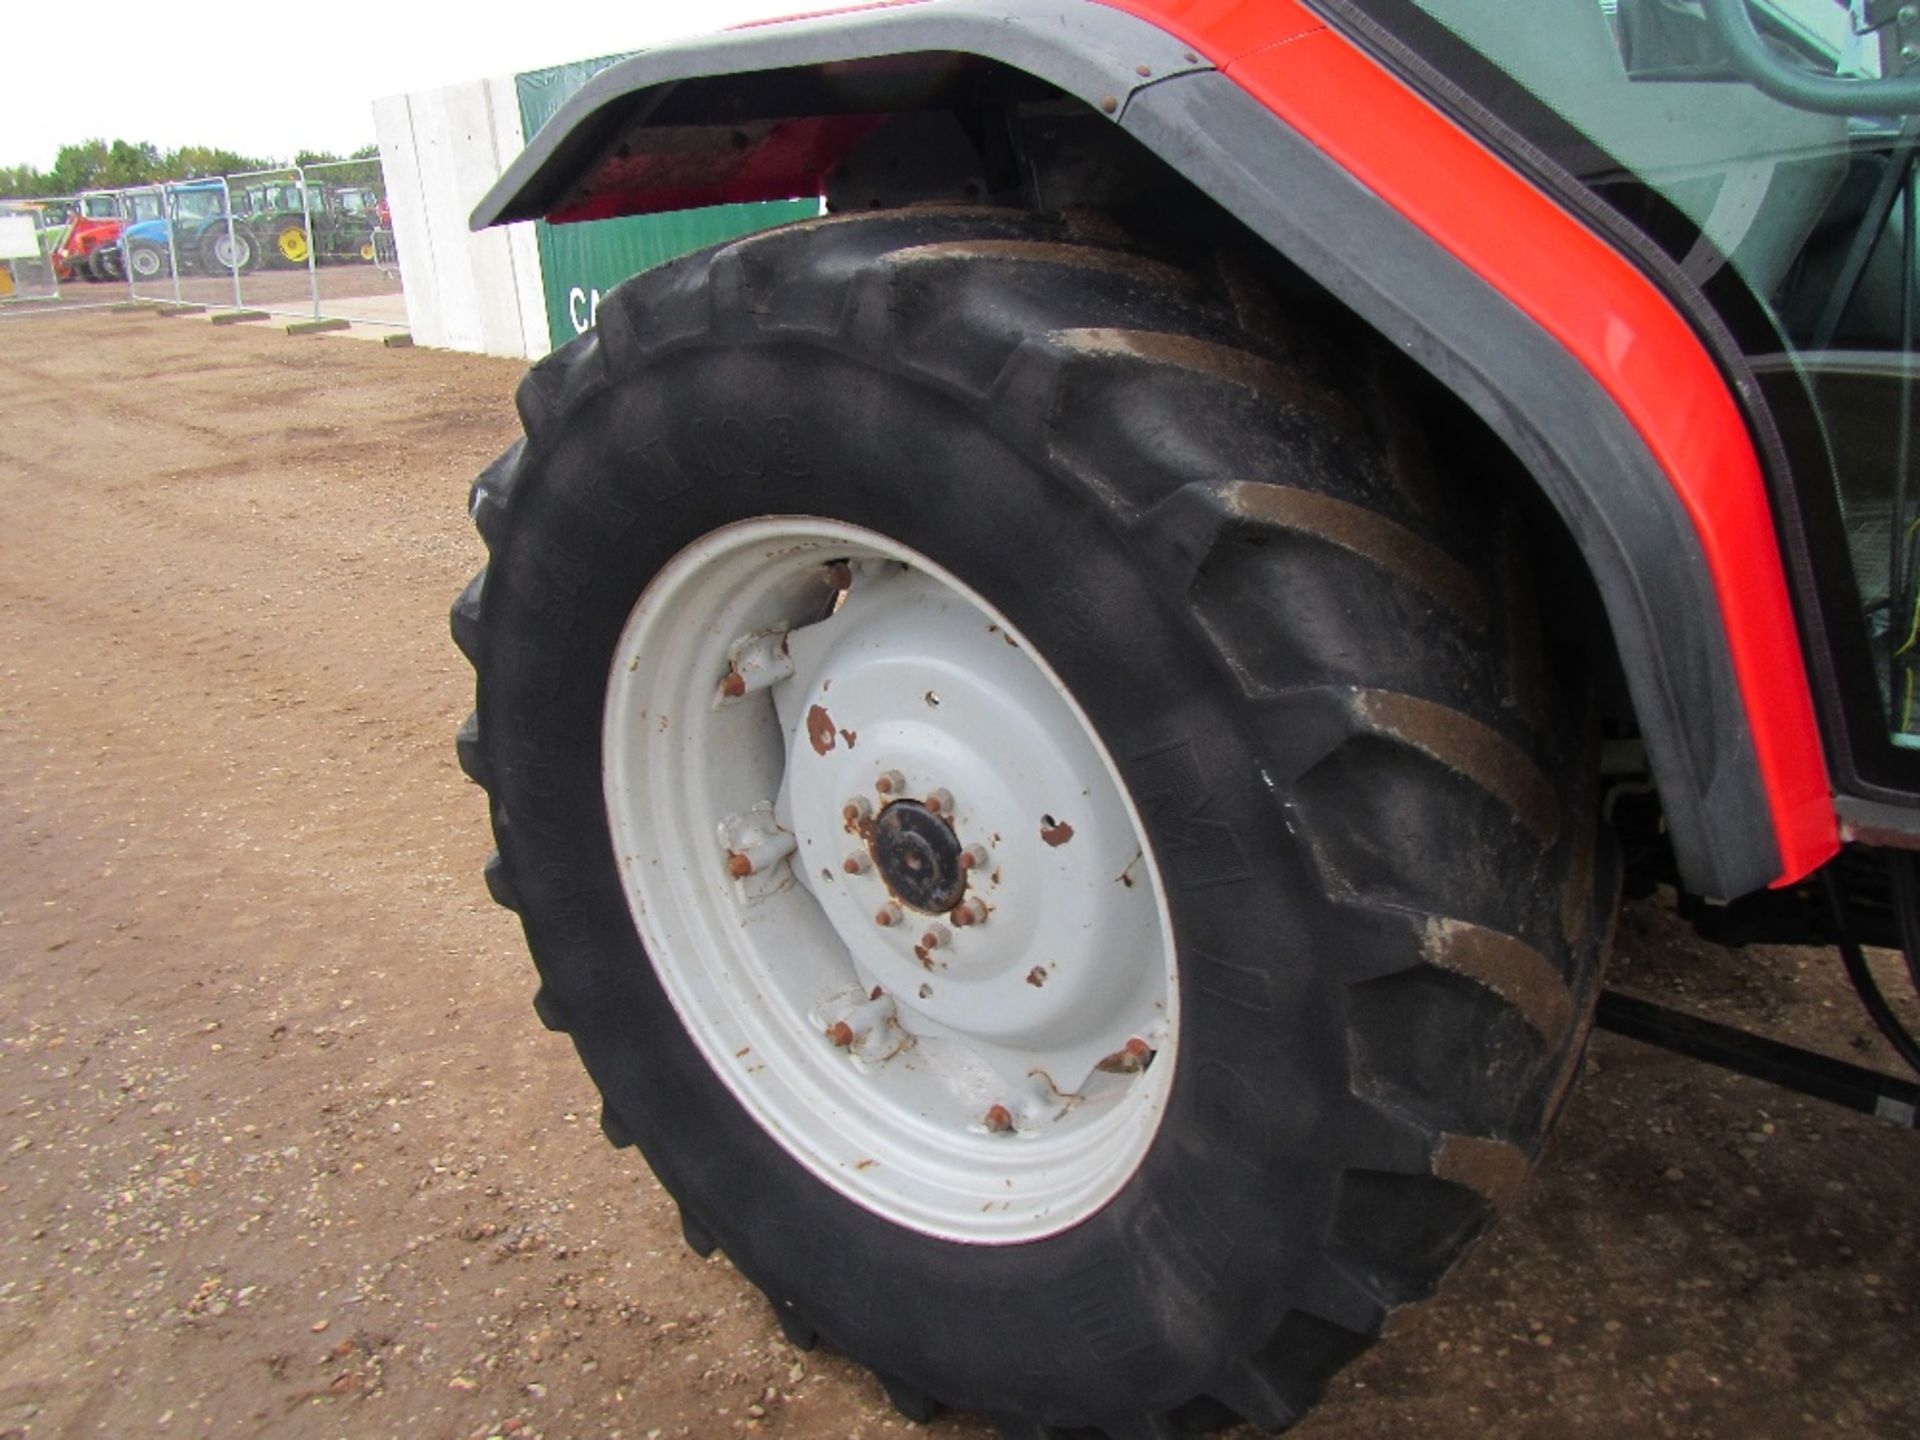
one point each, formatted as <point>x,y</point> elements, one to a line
<point>580,263</point>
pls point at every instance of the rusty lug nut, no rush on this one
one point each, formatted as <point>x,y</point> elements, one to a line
<point>840,575</point>
<point>855,810</point>
<point>891,782</point>
<point>968,913</point>
<point>734,686</point>
<point>998,1120</point>
<point>856,864</point>
<point>840,1033</point>
<point>738,865</point>
<point>1129,1060</point>
<point>974,857</point>
<point>935,937</point>
<point>887,915</point>
<point>940,802</point>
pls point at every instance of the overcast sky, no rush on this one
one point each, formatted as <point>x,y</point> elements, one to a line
<point>270,79</point>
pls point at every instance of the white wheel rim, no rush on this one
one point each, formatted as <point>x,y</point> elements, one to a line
<point>1022,1072</point>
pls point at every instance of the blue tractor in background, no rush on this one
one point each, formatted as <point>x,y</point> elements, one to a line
<point>197,229</point>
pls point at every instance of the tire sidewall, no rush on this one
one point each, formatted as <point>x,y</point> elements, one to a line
<point>1184,1265</point>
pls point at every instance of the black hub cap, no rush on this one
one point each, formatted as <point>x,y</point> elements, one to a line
<point>919,857</point>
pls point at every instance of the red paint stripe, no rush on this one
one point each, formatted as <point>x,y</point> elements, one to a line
<point>1613,319</point>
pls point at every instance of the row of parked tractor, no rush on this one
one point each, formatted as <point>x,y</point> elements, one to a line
<point>210,227</point>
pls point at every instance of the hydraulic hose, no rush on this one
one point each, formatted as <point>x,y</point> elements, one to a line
<point>1858,972</point>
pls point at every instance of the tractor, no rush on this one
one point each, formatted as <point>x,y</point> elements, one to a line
<point>285,216</point>
<point>1067,736</point>
<point>91,246</point>
<point>195,233</point>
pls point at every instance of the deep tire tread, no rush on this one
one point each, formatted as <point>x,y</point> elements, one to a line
<point>1464,709</point>
<point>549,1010</point>
<point>799,1330</point>
<point>464,619</point>
<point>499,882</point>
<point>615,1129</point>
<point>698,1237</point>
<point>466,749</point>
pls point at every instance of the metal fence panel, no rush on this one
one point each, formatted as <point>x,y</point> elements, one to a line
<point>26,254</point>
<point>306,243</point>
<point>147,259</point>
<point>88,250</point>
<point>358,278</point>
<point>270,260</point>
<point>79,259</point>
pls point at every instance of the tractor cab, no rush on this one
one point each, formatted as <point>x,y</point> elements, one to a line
<point>1760,162</point>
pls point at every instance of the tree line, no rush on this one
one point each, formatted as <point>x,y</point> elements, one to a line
<point>108,165</point>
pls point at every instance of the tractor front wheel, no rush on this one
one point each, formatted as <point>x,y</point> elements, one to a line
<point>1061,851</point>
<point>148,262</point>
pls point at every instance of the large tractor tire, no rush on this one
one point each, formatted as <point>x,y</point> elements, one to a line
<point>224,254</point>
<point>1044,815</point>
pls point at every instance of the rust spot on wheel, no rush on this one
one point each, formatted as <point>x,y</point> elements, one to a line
<point>820,730</point>
<point>998,1119</point>
<point>1055,832</point>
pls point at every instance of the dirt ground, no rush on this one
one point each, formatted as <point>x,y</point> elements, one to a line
<point>283,1151</point>
<point>275,288</point>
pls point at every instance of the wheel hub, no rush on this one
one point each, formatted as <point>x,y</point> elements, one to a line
<point>919,857</point>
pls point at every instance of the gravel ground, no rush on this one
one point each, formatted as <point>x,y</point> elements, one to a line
<point>283,1152</point>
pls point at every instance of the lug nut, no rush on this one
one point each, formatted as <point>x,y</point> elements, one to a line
<point>935,937</point>
<point>974,857</point>
<point>840,1033</point>
<point>856,864</point>
<point>968,912</point>
<point>891,782</point>
<point>940,802</point>
<point>998,1120</point>
<point>1129,1060</point>
<point>887,915</point>
<point>856,810</point>
<point>755,842</point>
